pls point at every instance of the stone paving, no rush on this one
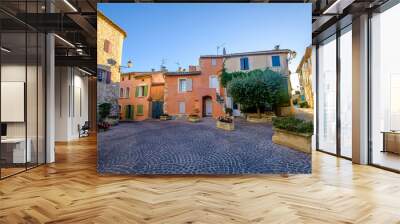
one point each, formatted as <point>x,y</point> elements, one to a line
<point>180,147</point>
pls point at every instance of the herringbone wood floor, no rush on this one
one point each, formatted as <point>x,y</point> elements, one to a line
<point>70,191</point>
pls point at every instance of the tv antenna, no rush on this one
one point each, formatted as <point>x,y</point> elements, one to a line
<point>219,46</point>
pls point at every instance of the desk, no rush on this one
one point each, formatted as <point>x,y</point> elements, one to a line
<point>18,149</point>
<point>391,141</point>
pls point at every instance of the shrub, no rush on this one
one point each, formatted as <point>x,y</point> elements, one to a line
<point>293,124</point>
<point>104,110</point>
<point>228,111</point>
<point>303,104</point>
<point>225,119</point>
<point>295,102</point>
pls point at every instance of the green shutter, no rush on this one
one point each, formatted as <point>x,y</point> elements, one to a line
<point>139,109</point>
<point>137,92</point>
<point>145,91</point>
<point>133,112</point>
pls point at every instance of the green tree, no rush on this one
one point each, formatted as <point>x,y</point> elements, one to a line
<point>104,110</point>
<point>259,89</point>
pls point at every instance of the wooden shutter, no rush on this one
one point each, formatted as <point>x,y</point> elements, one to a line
<point>137,91</point>
<point>145,90</point>
<point>189,84</point>
<point>140,109</point>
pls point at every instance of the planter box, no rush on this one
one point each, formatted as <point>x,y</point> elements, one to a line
<point>265,118</point>
<point>164,118</point>
<point>226,126</point>
<point>194,119</point>
<point>297,141</point>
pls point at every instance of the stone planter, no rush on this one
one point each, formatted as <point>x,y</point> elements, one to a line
<point>297,141</point>
<point>226,126</point>
<point>164,118</point>
<point>265,118</point>
<point>194,119</point>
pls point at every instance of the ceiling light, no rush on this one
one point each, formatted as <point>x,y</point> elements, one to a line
<point>5,50</point>
<point>65,41</point>
<point>86,72</point>
<point>70,5</point>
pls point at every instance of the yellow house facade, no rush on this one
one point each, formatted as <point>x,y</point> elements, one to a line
<point>110,39</point>
<point>304,70</point>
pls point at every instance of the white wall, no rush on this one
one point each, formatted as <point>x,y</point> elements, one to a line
<point>71,102</point>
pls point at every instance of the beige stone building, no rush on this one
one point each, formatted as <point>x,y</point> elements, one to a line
<point>110,38</point>
<point>304,70</point>
<point>275,60</point>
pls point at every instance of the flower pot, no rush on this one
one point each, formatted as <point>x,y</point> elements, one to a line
<point>194,119</point>
<point>265,118</point>
<point>164,118</point>
<point>225,126</point>
<point>298,141</point>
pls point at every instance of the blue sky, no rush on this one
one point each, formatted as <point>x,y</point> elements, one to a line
<point>180,33</point>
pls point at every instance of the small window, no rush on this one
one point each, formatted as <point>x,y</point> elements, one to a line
<point>214,81</point>
<point>182,85</point>
<point>213,61</point>
<point>127,92</point>
<point>121,92</point>
<point>100,74</point>
<point>139,109</point>
<point>141,91</point>
<point>276,61</point>
<point>123,78</point>
<point>182,107</point>
<point>107,46</point>
<point>244,64</point>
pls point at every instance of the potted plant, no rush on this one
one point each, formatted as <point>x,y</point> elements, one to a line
<point>293,133</point>
<point>194,117</point>
<point>225,123</point>
<point>165,117</point>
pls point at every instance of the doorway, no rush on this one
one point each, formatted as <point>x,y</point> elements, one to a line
<point>207,106</point>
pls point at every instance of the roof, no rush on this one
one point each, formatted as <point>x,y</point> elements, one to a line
<point>101,15</point>
<point>306,55</point>
<point>280,51</point>
<point>182,73</point>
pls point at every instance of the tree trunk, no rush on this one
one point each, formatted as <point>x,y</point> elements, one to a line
<point>258,112</point>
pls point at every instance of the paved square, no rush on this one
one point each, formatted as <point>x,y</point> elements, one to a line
<point>181,147</point>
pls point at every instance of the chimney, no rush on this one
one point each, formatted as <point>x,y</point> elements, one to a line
<point>153,70</point>
<point>192,68</point>
<point>223,51</point>
<point>179,69</point>
<point>163,68</point>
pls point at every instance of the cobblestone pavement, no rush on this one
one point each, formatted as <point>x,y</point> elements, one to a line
<point>180,147</point>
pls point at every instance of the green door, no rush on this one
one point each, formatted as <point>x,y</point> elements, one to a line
<point>129,112</point>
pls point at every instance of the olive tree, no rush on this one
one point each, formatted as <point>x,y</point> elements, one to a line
<point>258,89</point>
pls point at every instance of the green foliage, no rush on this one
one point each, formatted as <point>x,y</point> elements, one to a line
<point>259,89</point>
<point>104,110</point>
<point>226,77</point>
<point>293,124</point>
<point>295,101</point>
<point>229,111</point>
<point>303,104</point>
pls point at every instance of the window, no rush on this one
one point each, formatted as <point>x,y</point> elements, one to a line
<point>276,61</point>
<point>108,77</point>
<point>139,110</point>
<point>182,107</point>
<point>141,91</point>
<point>100,74</point>
<point>244,64</point>
<point>121,92</point>
<point>107,46</point>
<point>127,92</point>
<point>214,81</point>
<point>213,61</point>
<point>123,78</point>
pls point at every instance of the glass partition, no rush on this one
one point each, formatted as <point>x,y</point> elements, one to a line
<point>22,101</point>
<point>385,89</point>
<point>327,95</point>
<point>346,92</point>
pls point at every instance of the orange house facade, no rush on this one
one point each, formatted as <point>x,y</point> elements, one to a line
<point>196,91</point>
<point>141,95</point>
